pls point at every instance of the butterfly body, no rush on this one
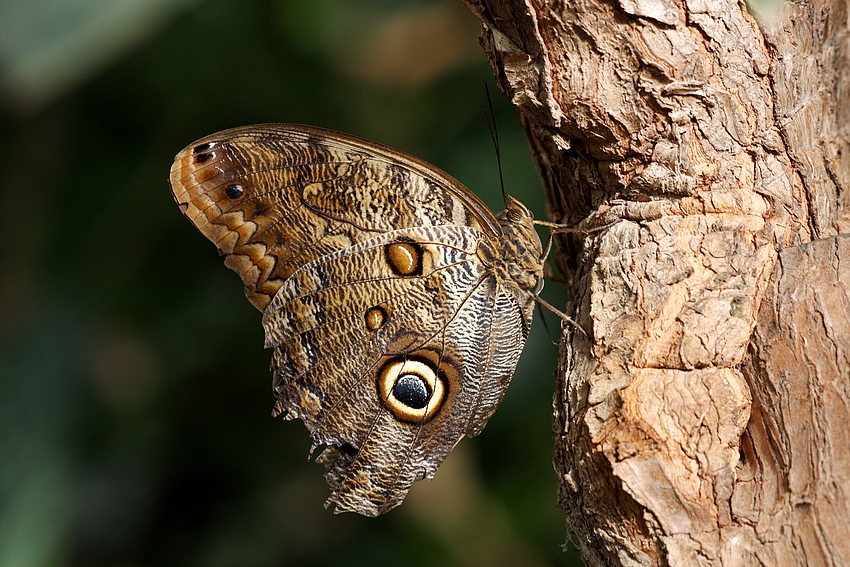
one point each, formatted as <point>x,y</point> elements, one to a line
<point>396,303</point>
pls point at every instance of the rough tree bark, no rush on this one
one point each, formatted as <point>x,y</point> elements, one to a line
<point>703,418</point>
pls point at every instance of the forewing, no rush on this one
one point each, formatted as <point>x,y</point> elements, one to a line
<point>275,197</point>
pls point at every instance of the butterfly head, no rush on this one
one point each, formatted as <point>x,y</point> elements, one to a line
<point>522,250</point>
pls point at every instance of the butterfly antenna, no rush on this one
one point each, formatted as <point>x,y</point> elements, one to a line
<point>491,123</point>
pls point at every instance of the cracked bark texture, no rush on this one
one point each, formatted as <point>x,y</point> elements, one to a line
<point>703,418</point>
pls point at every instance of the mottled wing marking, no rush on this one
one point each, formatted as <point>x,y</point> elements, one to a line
<point>307,194</point>
<point>510,325</point>
<point>316,321</point>
<point>480,382</point>
<point>327,359</point>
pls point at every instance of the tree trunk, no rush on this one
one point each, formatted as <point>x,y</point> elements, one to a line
<point>701,413</point>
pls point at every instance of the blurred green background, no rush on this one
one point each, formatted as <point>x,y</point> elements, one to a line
<point>135,395</point>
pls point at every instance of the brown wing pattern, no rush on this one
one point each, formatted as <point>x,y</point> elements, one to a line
<point>273,197</point>
<point>454,319</point>
<point>396,303</point>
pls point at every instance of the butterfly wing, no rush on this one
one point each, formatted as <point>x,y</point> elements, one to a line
<point>395,333</point>
<point>453,327</point>
<point>274,197</point>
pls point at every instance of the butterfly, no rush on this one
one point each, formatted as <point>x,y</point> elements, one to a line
<point>396,302</point>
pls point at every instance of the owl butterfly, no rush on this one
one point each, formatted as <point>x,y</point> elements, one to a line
<point>396,303</point>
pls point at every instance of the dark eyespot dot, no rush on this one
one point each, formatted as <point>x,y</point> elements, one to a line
<point>234,190</point>
<point>201,148</point>
<point>201,158</point>
<point>412,391</point>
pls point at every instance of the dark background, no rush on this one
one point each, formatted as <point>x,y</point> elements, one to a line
<point>135,395</point>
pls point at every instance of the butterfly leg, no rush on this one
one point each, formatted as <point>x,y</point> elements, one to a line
<point>559,313</point>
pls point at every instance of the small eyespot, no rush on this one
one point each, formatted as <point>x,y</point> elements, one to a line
<point>202,148</point>
<point>404,258</point>
<point>234,191</point>
<point>375,318</point>
<point>202,158</point>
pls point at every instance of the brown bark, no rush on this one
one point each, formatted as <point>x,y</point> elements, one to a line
<point>699,422</point>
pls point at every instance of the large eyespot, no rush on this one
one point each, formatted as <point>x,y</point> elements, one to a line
<point>412,389</point>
